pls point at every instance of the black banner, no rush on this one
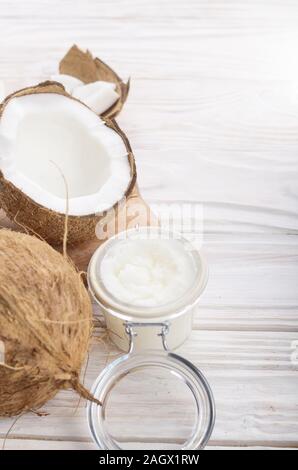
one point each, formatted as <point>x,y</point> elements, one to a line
<point>126,459</point>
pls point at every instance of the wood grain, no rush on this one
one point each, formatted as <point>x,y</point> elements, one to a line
<point>253,380</point>
<point>212,117</point>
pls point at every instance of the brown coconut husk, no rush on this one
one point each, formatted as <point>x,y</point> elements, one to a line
<point>83,66</point>
<point>49,224</point>
<point>45,324</point>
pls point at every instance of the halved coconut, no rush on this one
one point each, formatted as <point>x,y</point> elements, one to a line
<point>58,157</point>
<point>83,67</point>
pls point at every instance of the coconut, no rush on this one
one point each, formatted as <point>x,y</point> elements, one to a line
<point>98,96</point>
<point>106,100</point>
<point>45,323</point>
<point>50,142</point>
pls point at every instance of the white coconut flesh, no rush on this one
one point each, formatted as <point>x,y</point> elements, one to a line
<point>99,95</point>
<point>47,139</point>
<point>69,82</point>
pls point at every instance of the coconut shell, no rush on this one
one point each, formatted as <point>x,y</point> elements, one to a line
<point>48,224</point>
<point>83,66</point>
<point>45,323</point>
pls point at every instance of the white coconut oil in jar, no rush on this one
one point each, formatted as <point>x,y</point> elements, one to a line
<point>148,282</point>
<point>147,276</point>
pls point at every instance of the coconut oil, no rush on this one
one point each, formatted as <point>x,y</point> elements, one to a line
<point>147,276</point>
<point>147,273</point>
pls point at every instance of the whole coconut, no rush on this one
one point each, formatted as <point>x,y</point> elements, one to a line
<point>45,323</point>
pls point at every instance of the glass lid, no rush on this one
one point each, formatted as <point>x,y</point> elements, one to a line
<point>154,400</point>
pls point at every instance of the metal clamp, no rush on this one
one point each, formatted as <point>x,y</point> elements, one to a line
<point>130,331</point>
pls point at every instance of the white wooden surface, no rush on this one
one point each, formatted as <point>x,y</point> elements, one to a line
<point>213,119</point>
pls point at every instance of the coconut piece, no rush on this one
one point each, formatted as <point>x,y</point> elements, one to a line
<point>47,138</point>
<point>83,91</point>
<point>69,82</point>
<point>83,66</point>
<point>99,96</point>
<point>45,323</point>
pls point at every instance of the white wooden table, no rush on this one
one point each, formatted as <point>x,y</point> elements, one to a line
<point>213,119</point>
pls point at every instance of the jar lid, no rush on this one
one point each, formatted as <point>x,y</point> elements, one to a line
<point>151,400</point>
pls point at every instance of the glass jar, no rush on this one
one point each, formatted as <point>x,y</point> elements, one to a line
<point>178,313</point>
<point>155,390</point>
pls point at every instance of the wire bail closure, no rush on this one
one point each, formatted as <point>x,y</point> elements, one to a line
<point>130,331</point>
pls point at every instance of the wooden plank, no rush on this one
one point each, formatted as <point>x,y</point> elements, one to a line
<point>252,282</point>
<point>252,56</point>
<point>26,444</point>
<point>39,444</point>
<point>252,377</point>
